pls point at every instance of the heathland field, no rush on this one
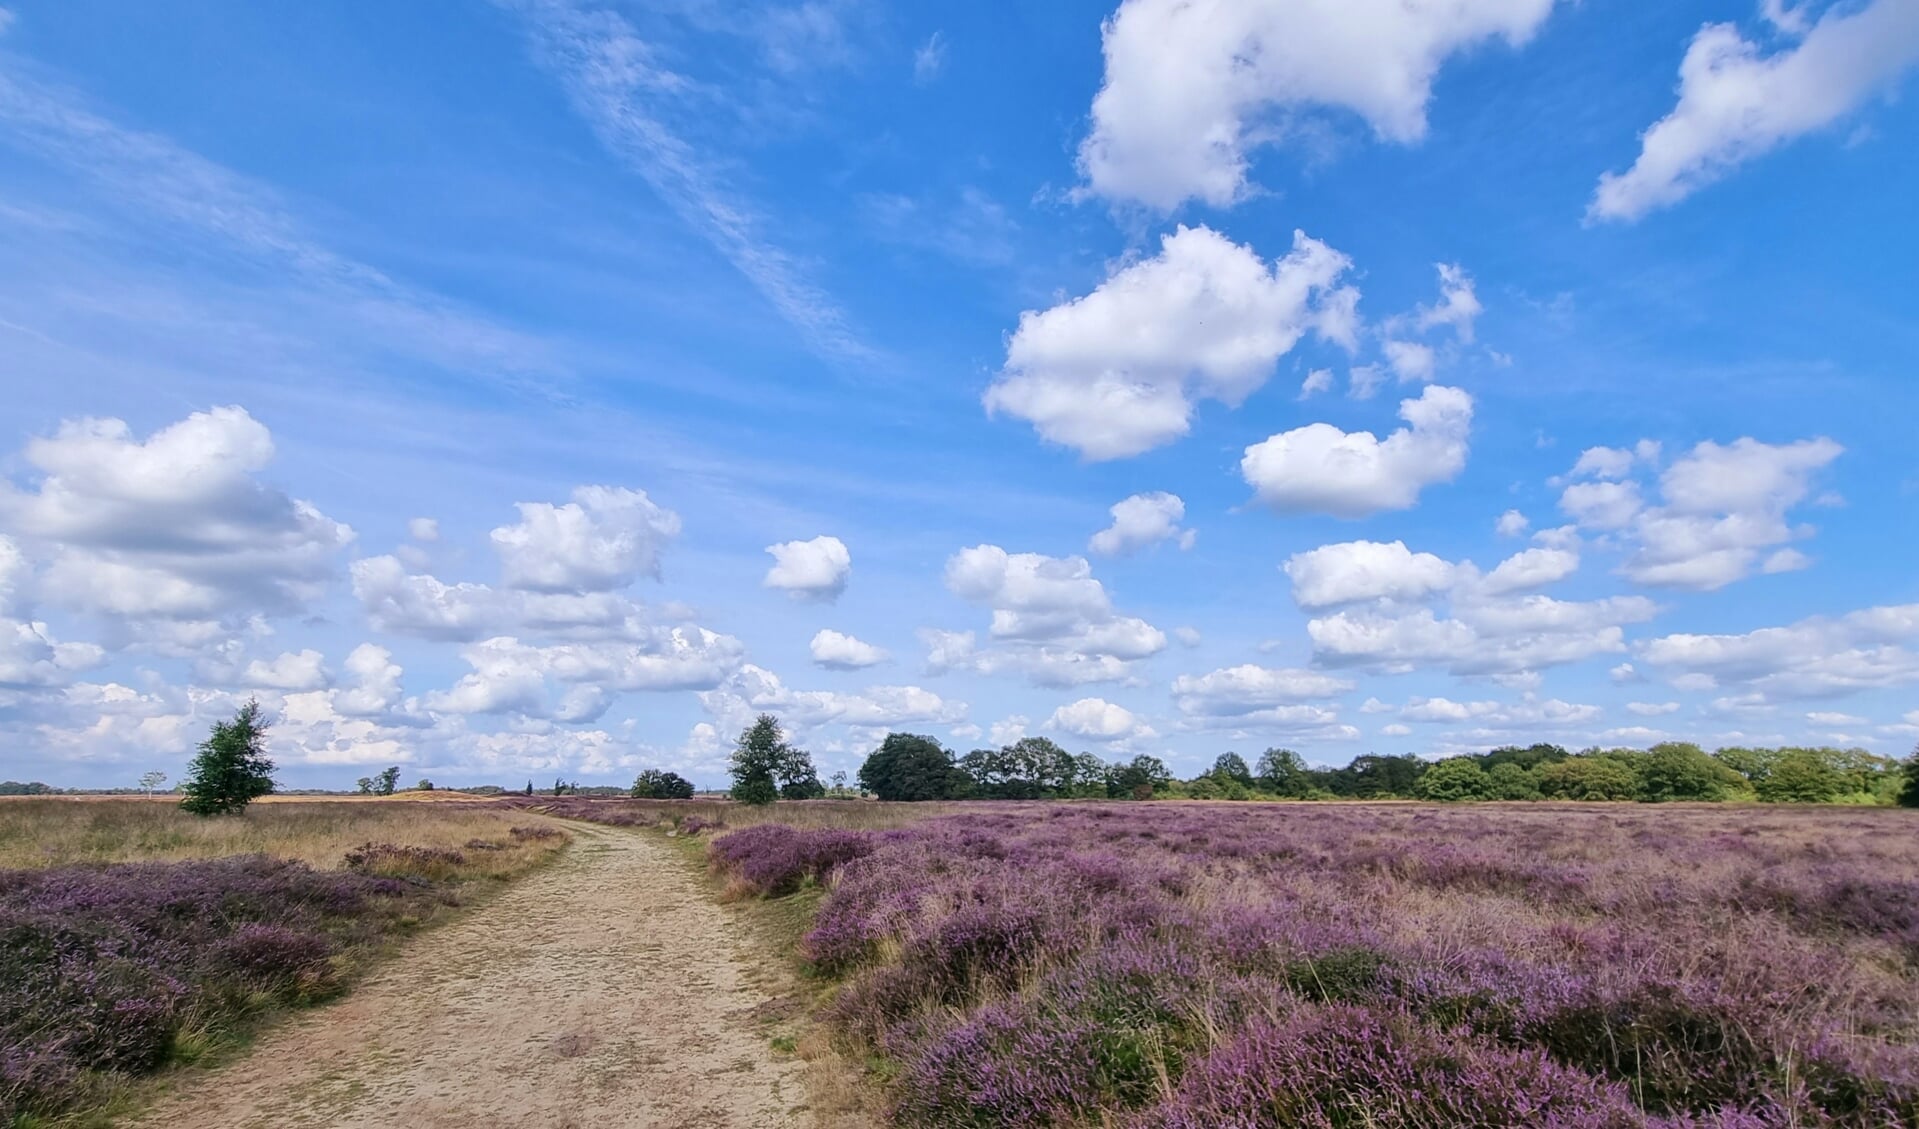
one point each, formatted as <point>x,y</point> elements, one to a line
<point>1082,965</point>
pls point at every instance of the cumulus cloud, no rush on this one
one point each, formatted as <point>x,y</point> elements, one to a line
<point>372,683</point>
<point>1652,709</point>
<point>1458,306</point>
<point>1411,361</point>
<point>31,657</point>
<point>1512,523</point>
<point>1120,370</point>
<point>752,690</point>
<point>291,671</point>
<point>605,538</point>
<point>1321,469</point>
<point>1191,88</point>
<point>424,529</point>
<point>1140,521</point>
<point>1257,697</point>
<point>1816,657</point>
<point>176,525</point>
<point>1530,568</point>
<point>1737,103</point>
<point>1050,618</point>
<point>1096,719</point>
<point>1722,508</point>
<point>836,651</point>
<point>810,570</point>
<point>1366,570</point>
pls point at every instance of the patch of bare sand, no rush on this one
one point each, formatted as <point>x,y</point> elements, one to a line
<point>607,991</point>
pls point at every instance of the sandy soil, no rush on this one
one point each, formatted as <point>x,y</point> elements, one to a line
<point>608,991</point>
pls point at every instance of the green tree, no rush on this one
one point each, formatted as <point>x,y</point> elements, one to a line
<point>388,780</point>
<point>1232,766</point>
<point>1454,780</point>
<point>1909,789</point>
<point>150,782</point>
<point>1284,773</point>
<point>910,767</point>
<point>1511,782</point>
<point>1588,777</point>
<point>1532,756</point>
<point>1138,778</point>
<point>1801,776</point>
<point>653,784</point>
<point>1677,770</point>
<point>424,785</point>
<point>231,770</point>
<point>759,758</point>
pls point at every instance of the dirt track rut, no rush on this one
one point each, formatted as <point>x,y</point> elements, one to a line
<point>606,991</point>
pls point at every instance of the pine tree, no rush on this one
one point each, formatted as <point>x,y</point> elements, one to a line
<point>231,770</point>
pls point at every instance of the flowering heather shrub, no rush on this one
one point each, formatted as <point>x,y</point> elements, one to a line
<point>101,967</point>
<point>773,860</point>
<point>1182,965</point>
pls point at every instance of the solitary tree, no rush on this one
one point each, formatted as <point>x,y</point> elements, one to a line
<point>150,783</point>
<point>760,758</point>
<point>231,770</point>
<point>365,785</point>
<point>423,786</point>
<point>1909,790</point>
<point>387,781</point>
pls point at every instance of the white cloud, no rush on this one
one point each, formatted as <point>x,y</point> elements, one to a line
<point>1095,719</point>
<point>1354,571</point>
<point>1530,568</point>
<point>1492,716</point>
<point>1119,371</point>
<point>291,671</point>
<point>835,651</point>
<point>1458,305</point>
<point>605,538</point>
<point>1785,560</point>
<point>372,686</point>
<point>1142,520</point>
<point>1248,694</point>
<point>1484,638</point>
<point>1321,469</point>
<point>810,570</point>
<point>752,689</point>
<point>424,529</point>
<point>1815,657</point>
<point>14,573</point>
<point>1829,718</point>
<point>1736,104</point>
<point>1512,523</point>
<point>31,657</point>
<point>1721,508</point>
<point>421,605</point>
<point>172,526</point>
<point>1603,506</point>
<point>1317,381</point>
<point>1653,709</point>
<point>1411,361</point>
<point>615,81</point>
<point>1052,620</point>
<point>1008,729</point>
<point>1603,462</point>
<point>930,59</point>
<point>1191,88</point>
<point>1187,636</point>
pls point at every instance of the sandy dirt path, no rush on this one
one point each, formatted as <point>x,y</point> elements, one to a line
<point>606,991</point>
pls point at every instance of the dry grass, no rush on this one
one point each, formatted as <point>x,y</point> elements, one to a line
<point>51,831</point>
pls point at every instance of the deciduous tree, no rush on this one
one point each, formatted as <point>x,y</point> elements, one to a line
<point>231,769</point>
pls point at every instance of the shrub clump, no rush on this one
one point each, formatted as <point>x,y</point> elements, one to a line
<point>773,860</point>
<point>392,860</point>
<point>102,968</point>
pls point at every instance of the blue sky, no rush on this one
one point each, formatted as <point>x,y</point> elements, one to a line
<point>1157,378</point>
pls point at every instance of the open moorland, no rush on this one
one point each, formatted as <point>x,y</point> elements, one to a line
<point>1386,966</point>
<point>134,935</point>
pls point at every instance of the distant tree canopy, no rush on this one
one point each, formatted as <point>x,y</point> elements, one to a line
<point>654,784</point>
<point>231,770</point>
<point>910,766</point>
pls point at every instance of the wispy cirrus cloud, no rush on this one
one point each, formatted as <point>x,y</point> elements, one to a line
<point>617,83</point>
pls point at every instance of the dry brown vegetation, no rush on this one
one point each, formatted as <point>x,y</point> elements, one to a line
<point>38,832</point>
